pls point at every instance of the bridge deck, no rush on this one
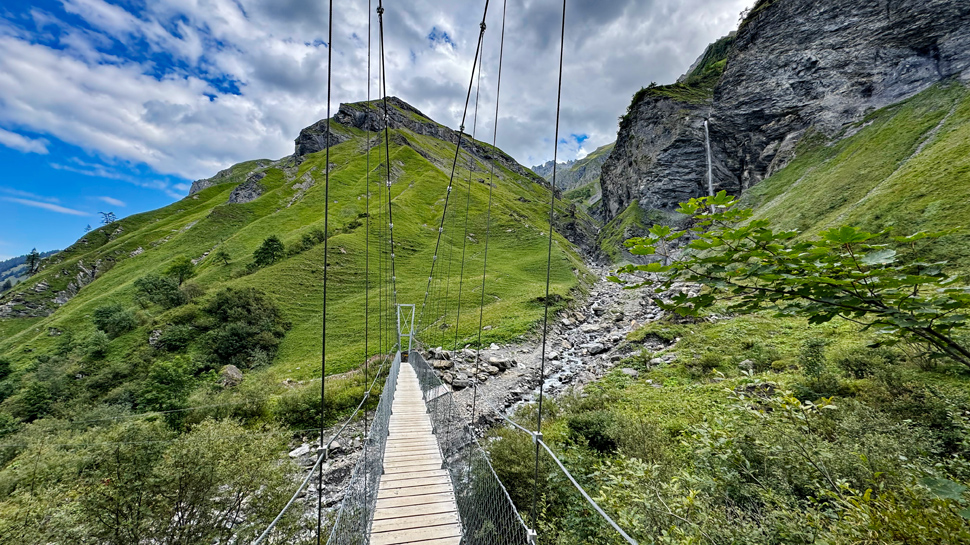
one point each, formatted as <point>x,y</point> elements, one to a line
<point>415,501</point>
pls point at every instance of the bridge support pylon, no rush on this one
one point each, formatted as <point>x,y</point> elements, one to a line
<point>405,329</point>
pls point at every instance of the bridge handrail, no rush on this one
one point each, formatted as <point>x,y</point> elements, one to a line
<point>352,528</point>
<point>487,513</point>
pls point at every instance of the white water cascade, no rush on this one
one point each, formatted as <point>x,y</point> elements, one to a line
<point>710,168</point>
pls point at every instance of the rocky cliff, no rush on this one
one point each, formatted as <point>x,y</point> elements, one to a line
<point>794,66</point>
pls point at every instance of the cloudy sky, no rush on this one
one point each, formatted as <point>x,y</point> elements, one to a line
<point>117,105</point>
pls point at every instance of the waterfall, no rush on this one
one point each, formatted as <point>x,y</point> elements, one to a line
<point>710,168</point>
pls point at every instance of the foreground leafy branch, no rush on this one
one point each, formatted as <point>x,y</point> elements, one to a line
<point>842,274</point>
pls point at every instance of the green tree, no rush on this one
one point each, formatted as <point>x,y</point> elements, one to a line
<point>33,262</point>
<point>181,269</point>
<point>4,368</point>
<point>108,218</point>
<point>223,256</point>
<point>844,273</point>
<point>269,252</point>
<point>7,286</point>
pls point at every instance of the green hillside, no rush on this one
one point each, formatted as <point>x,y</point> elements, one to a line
<point>905,169</point>
<point>205,224</point>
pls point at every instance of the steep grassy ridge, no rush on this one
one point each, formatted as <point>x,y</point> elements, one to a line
<point>905,169</point>
<point>205,222</point>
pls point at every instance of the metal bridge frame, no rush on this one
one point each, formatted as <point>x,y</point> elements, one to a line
<point>405,328</point>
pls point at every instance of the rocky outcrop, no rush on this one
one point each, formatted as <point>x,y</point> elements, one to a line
<point>248,191</point>
<point>221,177</point>
<point>368,116</point>
<point>795,66</point>
<point>659,158</point>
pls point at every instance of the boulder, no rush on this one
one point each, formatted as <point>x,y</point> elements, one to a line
<point>230,376</point>
<point>442,364</point>
<point>301,450</point>
<point>632,373</point>
<point>594,348</point>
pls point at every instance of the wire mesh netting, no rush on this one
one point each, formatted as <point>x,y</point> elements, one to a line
<point>487,514</point>
<point>351,526</point>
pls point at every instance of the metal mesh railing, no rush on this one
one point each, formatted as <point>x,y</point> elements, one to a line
<point>352,523</point>
<point>487,514</point>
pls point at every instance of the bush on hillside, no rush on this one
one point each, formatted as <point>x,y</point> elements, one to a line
<point>114,319</point>
<point>160,290</point>
<point>96,346</point>
<point>246,323</point>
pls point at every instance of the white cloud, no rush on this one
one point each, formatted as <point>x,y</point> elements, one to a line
<point>112,201</point>
<point>184,118</point>
<point>22,143</point>
<point>28,195</point>
<point>46,206</point>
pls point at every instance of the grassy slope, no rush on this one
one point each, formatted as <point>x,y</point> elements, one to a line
<point>295,284</point>
<point>907,169</point>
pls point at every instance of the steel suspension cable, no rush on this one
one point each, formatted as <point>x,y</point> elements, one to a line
<point>366,249</point>
<point>468,196</point>
<point>326,251</point>
<point>545,316</point>
<point>387,154</point>
<point>488,213</point>
<point>454,165</point>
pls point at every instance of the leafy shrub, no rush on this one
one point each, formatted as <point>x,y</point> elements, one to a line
<point>593,428</point>
<point>247,323</point>
<point>176,338</point>
<point>114,319</point>
<point>97,345</point>
<point>33,401</point>
<point>160,290</point>
<point>191,291</point>
<point>705,363</point>
<point>812,358</point>
<point>763,355</point>
<point>5,368</point>
<point>860,362</point>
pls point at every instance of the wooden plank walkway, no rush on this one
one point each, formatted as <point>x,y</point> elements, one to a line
<point>415,501</point>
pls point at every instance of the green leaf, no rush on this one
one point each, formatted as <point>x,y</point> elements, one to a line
<point>880,257</point>
<point>846,235</point>
<point>965,513</point>
<point>944,488</point>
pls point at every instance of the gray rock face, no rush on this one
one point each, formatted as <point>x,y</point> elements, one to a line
<point>659,158</point>
<point>248,191</point>
<point>826,63</point>
<point>401,115</point>
<point>199,185</point>
<point>795,65</point>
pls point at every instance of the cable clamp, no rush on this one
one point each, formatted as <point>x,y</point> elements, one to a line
<point>380,10</point>
<point>483,26</point>
<point>536,437</point>
<point>532,535</point>
<point>366,395</point>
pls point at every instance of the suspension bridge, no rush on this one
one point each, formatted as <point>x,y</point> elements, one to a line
<point>423,477</point>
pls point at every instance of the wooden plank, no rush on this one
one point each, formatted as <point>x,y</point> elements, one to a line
<point>447,506</point>
<point>416,534</point>
<point>411,467</point>
<point>416,475</point>
<point>391,503</point>
<point>418,521</point>
<point>418,481</point>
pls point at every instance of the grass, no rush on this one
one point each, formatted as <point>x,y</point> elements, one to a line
<point>907,169</point>
<point>205,223</point>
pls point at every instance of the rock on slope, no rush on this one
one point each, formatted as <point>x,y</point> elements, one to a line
<point>795,65</point>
